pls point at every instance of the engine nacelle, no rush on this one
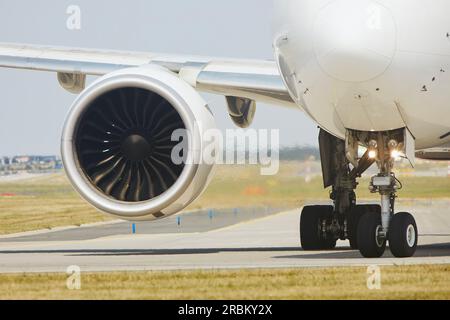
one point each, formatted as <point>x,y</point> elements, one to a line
<point>117,144</point>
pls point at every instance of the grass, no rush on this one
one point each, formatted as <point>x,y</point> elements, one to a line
<point>244,185</point>
<point>397,282</point>
<point>43,203</point>
<point>49,202</point>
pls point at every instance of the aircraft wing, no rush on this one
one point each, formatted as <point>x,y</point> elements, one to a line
<point>257,80</point>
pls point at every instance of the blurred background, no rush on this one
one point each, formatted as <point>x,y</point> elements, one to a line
<point>33,106</point>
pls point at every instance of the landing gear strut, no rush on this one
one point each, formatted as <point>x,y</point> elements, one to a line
<point>368,227</point>
<point>400,230</point>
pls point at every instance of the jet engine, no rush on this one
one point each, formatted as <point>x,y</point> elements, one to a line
<point>123,146</point>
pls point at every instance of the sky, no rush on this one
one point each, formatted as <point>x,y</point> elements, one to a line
<point>33,106</point>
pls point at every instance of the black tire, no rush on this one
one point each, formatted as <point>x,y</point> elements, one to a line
<point>353,220</point>
<point>310,235</point>
<point>403,235</point>
<point>369,245</point>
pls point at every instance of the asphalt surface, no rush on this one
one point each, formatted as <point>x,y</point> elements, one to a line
<point>253,239</point>
<point>190,222</point>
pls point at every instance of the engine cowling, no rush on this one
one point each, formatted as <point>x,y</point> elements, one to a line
<point>117,144</point>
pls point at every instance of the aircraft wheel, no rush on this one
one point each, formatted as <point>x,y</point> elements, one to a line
<point>311,237</point>
<point>354,218</point>
<point>369,243</point>
<point>403,235</point>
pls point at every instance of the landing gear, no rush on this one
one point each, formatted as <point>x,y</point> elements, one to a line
<point>400,230</point>
<point>313,232</point>
<point>371,244</point>
<point>368,227</point>
<point>403,235</point>
<point>354,218</point>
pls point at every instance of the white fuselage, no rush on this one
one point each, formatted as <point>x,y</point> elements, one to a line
<point>368,65</point>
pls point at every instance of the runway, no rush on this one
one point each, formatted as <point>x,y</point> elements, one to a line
<point>267,240</point>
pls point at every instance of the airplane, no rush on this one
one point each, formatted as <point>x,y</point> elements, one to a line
<point>373,75</point>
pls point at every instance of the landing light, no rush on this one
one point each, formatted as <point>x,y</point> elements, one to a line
<point>396,155</point>
<point>373,144</point>
<point>372,154</point>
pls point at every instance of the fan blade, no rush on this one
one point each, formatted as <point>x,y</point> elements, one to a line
<point>147,108</point>
<point>154,113</point>
<point>163,119</point>
<point>117,117</point>
<point>110,186</point>
<point>149,181</point>
<point>137,187</point>
<point>126,185</point>
<point>166,167</point>
<point>97,177</point>
<point>98,140</point>
<point>123,99</point>
<point>102,162</point>
<point>158,174</point>
<point>172,127</point>
<point>137,93</point>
